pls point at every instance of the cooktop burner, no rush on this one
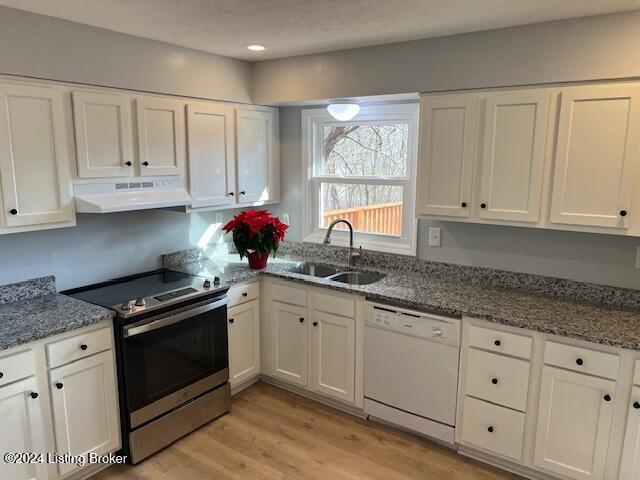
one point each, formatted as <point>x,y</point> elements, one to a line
<point>148,291</point>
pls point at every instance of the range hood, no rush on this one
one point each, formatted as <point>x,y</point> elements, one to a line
<point>130,195</point>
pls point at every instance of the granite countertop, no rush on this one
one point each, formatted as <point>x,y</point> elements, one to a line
<point>31,318</point>
<point>599,324</point>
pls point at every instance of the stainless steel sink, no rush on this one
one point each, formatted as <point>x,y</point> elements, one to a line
<point>357,278</point>
<point>315,269</point>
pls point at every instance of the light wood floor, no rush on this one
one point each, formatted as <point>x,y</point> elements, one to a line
<point>273,434</point>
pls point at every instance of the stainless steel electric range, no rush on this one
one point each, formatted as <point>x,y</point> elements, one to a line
<point>172,354</point>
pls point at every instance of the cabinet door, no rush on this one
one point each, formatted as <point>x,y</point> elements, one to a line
<point>103,135</point>
<point>85,409</point>
<point>34,159</point>
<point>630,466</point>
<point>333,346</point>
<point>513,156</point>
<point>160,136</point>
<point>21,427</point>
<point>449,125</point>
<point>289,342</point>
<point>574,421</point>
<point>596,156</point>
<point>244,342</point>
<point>256,173</point>
<point>211,154</point>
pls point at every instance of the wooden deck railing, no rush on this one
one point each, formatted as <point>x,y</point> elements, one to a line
<point>385,218</point>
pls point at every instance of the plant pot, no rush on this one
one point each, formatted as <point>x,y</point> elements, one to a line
<point>258,260</point>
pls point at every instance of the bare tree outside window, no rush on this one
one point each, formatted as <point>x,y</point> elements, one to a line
<point>360,151</point>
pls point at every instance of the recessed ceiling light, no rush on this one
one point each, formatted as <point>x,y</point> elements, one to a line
<point>255,47</point>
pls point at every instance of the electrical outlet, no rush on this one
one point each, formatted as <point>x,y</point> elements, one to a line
<point>434,236</point>
<point>285,218</point>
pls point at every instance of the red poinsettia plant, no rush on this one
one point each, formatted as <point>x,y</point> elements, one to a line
<point>256,234</point>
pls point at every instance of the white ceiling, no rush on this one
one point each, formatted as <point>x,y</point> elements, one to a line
<point>295,27</point>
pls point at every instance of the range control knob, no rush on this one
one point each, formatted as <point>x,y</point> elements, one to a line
<point>207,283</point>
<point>127,306</point>
<point>216,280</point>
<point>140,302</point>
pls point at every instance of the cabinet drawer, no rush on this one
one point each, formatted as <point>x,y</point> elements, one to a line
<point>16,367</point>
<point>493,428</point>
<point>498,379</point>
<point>345,307</point>
<point>288,294</point>
<point>500,342</point>
<point>243,293</point>
<point>582,360</point>
<point>79,346</point>
<point>636,376</point>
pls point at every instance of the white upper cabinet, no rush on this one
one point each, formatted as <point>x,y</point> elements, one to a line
<point>447,152</point>
<point>513,155</point>
<point>211,154</point>
<point>103,135</point>
<point>34,158</point>
<point>160,136</point>
<point>574,423</point>
<point>21,427</point>
<point>257,144</point>
<point>596,156</point>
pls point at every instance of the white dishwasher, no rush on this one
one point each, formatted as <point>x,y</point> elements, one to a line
<point>411,370</point>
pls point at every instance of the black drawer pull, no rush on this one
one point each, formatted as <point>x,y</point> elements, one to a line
<point>494,381</point>
<point>301,319</point>
<point>83,347</point>
<point>463,204</point>
<point>128,164</point>
<point>497,343</point>
<point>231,320</point>
<point>607,398</point>
<point>483,205</point>
<point>623,213</point>
<point>579,361</point>
<point>59,385</point>
<point>34,395</point>
<point>1,374</point>
<point>315,324</point>
<point>245,294</point>
<point>13,211</point>
<point>146,164</point>
<point>636,405</point>
<point>490,429</point>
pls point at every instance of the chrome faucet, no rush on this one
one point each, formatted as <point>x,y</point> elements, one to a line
<point>327,240</point>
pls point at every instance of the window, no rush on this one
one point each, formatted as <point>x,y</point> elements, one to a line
<point>364,171</point>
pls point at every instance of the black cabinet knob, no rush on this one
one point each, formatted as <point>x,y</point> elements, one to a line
<point>34,395</point>
<point>315,324</point>
<point>1,374</point>
<point>497,343</point>
<point>494,381</point>
<point>623,213</point>
<point>483,205</point>
<point>463,204</point>
<point>579,361</point>
<point>231,194</point>
<point>490,429</point>
<point>231,320</point>
<point>83,347</point>
<point>13,211</point>
<point>146,164</point>
<point>301,319</point>
<point>636,405</point>
<point>607,398</point>
<point>128,164</point>
<point>242,192</point>
<point>59,385</point>
<point>244,294</point>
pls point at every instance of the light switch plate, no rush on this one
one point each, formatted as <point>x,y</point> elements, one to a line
<point>434,236</point>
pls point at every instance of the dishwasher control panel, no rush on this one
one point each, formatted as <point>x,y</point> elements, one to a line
<point>417,324</point>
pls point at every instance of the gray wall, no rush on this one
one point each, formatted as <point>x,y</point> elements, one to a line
<point>590,48</point>
<point>38,46</point>
<point>605,259</point>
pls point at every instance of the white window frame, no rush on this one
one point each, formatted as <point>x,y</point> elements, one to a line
<point>313,122</point>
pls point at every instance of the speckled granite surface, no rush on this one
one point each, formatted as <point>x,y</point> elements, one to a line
<point>568,315</point>
<point>37,311</point>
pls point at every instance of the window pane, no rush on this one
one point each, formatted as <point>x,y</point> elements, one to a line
<point>369,208</point>
<point>365,150</point>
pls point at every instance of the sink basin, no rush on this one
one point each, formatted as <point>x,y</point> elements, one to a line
<point>315,270</point>
<point>357,278</point>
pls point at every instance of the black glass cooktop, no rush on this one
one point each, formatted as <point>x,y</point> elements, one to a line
<point>146,285</point>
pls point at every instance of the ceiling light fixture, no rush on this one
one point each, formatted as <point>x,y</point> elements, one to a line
<point>343,111</point>
<point>255,47</point>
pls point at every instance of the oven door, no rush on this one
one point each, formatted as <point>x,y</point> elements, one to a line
<point>174,358</point>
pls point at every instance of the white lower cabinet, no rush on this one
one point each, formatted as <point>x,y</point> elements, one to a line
<point>290,344</point>
<point>244,342</point>
<point>630,465</point>
<point>21,427</point>
<point>333,345</point>
<point>85,407</point>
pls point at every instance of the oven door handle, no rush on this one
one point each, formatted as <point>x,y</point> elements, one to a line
<point>133,330</point>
